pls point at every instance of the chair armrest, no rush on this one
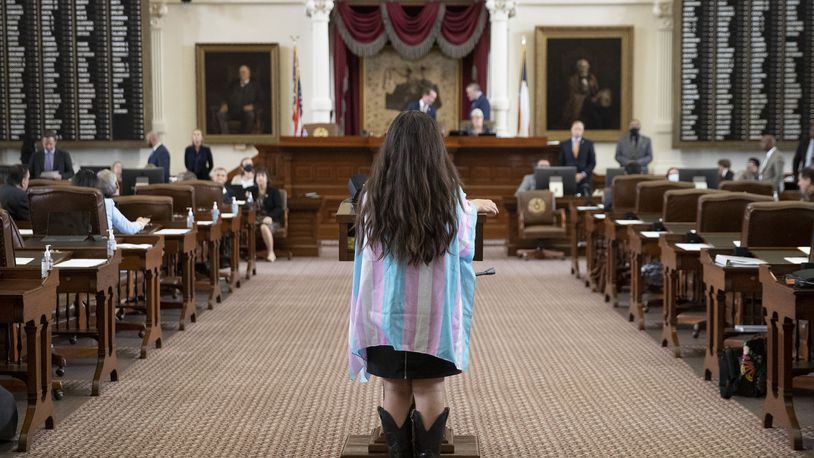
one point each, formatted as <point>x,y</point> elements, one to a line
<point>561,214</point>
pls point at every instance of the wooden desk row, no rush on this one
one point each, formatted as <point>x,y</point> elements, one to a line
<point>729,294</point>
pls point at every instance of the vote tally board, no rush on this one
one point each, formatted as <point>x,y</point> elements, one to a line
<point>73,66</point>
<point>742,67</point>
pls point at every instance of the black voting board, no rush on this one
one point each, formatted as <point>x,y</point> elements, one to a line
<point>78,67</point>
<point>742,67</point>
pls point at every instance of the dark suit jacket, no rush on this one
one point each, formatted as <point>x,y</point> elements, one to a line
<point>483,103</point>
<point>62,164</point>
<point>272,205</point>
<point>800,155</point>
<point>15,201</point>
<point>728,176</point>
<point>161,158</point>
<point>201,163</point>
<point>584,162</point>
<point>416,106</point>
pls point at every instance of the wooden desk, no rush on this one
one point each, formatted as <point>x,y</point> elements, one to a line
<point>101,282</point>
<point>149,262</point>
<point>27,299</point>
<point>577,232</point>
<point>784,305</point>
<point>720,281</point>
<point>616,242</point>
<point>346,217</point>
<point>677,261</point>
<point>181,246</point>
<point>491,168</point>
<point>230,226</point>
<point>249,218</point>
<point>594,250</point>
<point>210,235</point>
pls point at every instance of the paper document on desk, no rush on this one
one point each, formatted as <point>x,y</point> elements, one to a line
<point>805,249</point>
<point>52,175</point>
<point>799,260</point>
<point>737,261</point>
<point>204,223</point>
<point>629,222</point>
<point>25,232</point>
<point>172,232</point>
<point>583,208</point>
<point>22,261</point>
<point>652,234</point>
<point>737,243</point>
<point>228,215</point>
<point>134,246</point>
<point>692,246</point>
<point>80,263</point>
<point>600,216</point>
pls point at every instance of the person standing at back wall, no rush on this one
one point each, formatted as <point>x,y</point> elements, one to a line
<point>160,156</point>
<point>634,147</point>
<point>198,157</point>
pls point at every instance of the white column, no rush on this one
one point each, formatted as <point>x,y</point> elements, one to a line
<point>663,11</point>
<point>319,11</point>
<point>157,11</point>
<point>499,13</point>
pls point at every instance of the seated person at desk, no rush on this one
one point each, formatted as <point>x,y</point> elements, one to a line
<point>752,170</point>
<point>246,176</point>
<point>804,183</point>
<point>109,186</point>
<point>219,176</point>
<point>579,152</point>
<point>116,168</point>
<point>13,196</point>
<point>672,174</point>
<point>85,178</point>
<point>477,128</point>
<point>528,183</point>
<point>270,211</point>
<point>51,162</point>
<point>725,170</point>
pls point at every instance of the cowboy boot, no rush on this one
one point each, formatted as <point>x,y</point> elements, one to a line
<point>399,440</point>
<point>428,442</point>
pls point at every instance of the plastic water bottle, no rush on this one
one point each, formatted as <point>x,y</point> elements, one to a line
<point>46,264</point>
<point>215,212</point>
<point>111,244</point>
<point>190,218</point>
<point>249,199</point>
<point>235,206</point>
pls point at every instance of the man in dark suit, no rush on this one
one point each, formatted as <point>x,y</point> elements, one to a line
<point>725,170</point>
<point>804,157</point>
<point>56,163</point>
<point>478,99</point>
<point>579,152</point>
<point>245,96</point>
<point>424,104</point>
<point>198,157</point>
<point>160,156</point>
<point>13,196</point>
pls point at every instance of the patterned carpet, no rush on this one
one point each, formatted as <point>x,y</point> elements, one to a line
<point>555,372</point>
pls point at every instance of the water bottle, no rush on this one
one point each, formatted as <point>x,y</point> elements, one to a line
<point>235,207</point>
<point>190,218</point>
<point>215,212</point>
<point>249,199</point>
<point>45,263</point>
<point>111,244</point>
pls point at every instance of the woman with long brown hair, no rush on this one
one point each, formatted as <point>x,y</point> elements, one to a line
<point>413,282</point>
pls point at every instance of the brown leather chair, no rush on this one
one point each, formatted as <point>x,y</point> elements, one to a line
<point>723,212</point>
<point>206,192</point>
<point>624,191</point>
<point>37,182</point>
<point>157,208</point>
<point>650,195</point>
<point>44,199</point>
<point>539,220</point>
<point>752,187</point>
<point>322,129</point>
<point>7,240</point>
<point>681,205</point>
<point>777,224</point>
<point>183,196</point>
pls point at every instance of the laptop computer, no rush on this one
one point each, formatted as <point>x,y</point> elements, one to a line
<point>240,193</point>
<point>67,227</point>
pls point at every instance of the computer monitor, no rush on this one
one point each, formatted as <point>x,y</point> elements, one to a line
<point>542,178</point>
<point>95,168</point>
<point>240,193</point>
<point>138,177</point>
<point>711,176</point>
<point>611,173</point>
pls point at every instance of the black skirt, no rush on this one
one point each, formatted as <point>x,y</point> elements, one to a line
<point>386,362</point>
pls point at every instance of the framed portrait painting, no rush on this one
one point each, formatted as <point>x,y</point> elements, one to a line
<point>238,92</point>
<point>586,74</point>
<point>389,82</point>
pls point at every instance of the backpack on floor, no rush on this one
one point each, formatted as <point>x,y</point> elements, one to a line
<point>743,372</point>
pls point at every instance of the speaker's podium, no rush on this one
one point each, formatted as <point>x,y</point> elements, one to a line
<point>374,444</point>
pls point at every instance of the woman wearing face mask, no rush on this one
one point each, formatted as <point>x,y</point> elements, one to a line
<point>672,174</point>
<point>246,177</point>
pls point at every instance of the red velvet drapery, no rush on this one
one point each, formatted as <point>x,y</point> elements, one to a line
<point>460,33</point>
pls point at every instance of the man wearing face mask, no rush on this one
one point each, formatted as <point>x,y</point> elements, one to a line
<point>634,147</point>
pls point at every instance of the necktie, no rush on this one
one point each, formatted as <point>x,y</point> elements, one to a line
<point>810,153</point>
<point>49,161</point>
<point>575,149</point>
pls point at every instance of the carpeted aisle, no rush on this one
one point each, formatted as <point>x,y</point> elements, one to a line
<point>555,372</point>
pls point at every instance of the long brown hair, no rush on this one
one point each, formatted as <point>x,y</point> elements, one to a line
<point>409,205</point>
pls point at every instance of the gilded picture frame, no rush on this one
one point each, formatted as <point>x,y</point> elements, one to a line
<point>238,92</point>
<point>583,73</point>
